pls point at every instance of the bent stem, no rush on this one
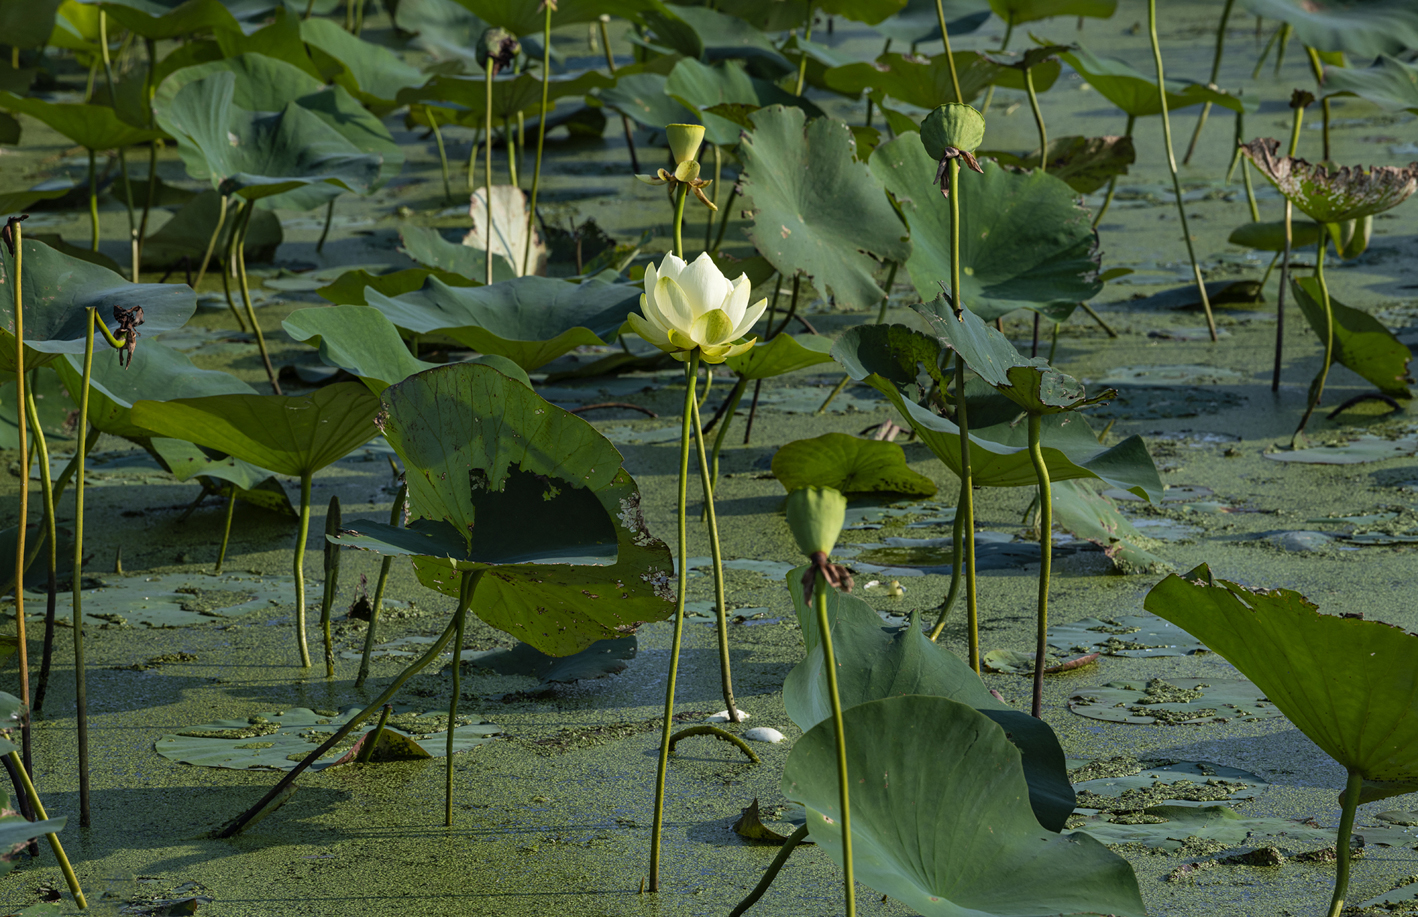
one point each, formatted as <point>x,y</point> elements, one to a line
<point>824,630</point>
<point>1046,551</point>
<point>541,134</point>
<point>771,873</point>
<point>721,611</point>
<point>80,680</point>
<point>246,295</point>
<point>51,536</point>
<point>1352,787</point>
<point>468,586</point>
<point>325,230</point>
<point>1038,118</point>
<point>69,877</point>
<point>957,549</point>
<point>442,152</point>
<point>691,371</point>
<point>298,569</point>
<point>1317,386</point>
<point>1113,182</point>
<point>23,396</point>
<point>332,581</point>
<point>1215,71</point>
<point>1172,166</point>
<point>396,516</point>
<point>211,246</point>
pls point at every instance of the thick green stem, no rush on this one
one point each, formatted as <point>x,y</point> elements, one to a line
<point>691,371</point>
<point>1046,552</point>
<point>966,510</point>
<point>51,537</point>
<point>460,620</point>
<point>802,61</point>
<point>298,570</point>
<point>332,581</point>
<point>957,554</point>
<point>1172,166</point>
<point>396,517</point>
<point>93,199</point>
<point>80,681</point>
<point>726,677</point>
<point>226,530</point>
<point>21,561</point>
<point>771,873</point>
<point>246,296</point>
<point>1038,118</point>
<point>1215,71</point>
<point>541,137</point>
<point>681,194</point>
<point>949,57</point>
<point>824,630</point>
<point>487,163</point>
<point>1352,788</point>
<point>1112,182</point>
<point>69,877</point>
<point>1317,386</point>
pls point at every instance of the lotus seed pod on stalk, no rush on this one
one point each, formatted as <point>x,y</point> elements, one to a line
<point>951,131</point>
<point>684,140</point>
<point>816,516</point>
<point>499,46</point>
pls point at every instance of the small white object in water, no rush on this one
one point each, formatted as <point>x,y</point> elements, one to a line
<point>723,717</point>
<point>764,734</point>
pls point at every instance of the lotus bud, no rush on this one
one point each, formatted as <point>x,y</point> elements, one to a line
<point>816,516</point>
<point>684,140</point>
<point>499,46</point>
<point>952,131</point>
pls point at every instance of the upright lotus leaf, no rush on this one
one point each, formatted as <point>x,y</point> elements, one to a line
<point>1350,685</point>
<point>531,491</point>
<point>429,248</point>
<point>1362,28</point>
<point>1135,93</point>
<point>1333,196</point>
<point>58,290</point>
<point>294,435</point>
<point>700,87</point>
<point>784,353</point>
<point>371,73</point>
<point>940,820</point>
<point>93,127</point>
<point>1361,342</point>
<point>1025,241</point>
<point>1390,83</point>
<point>923,82</point>
<point>917,21</point>
<point>1015,12</point>
<point>887,357</point>
<point>850,464</point>
<point>530,320</point>
<point>817,210</point>
<point>1085,164</point>
<point>359,340</point>
<point>163,21</point>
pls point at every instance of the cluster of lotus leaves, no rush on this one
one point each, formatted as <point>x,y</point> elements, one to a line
<point>1389,83</point>
<point>1332,195</point>
<point>501,480</point>
<point>1363,28</point>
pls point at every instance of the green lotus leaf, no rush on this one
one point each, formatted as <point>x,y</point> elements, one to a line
<point>186,235</point>
<point>1390,83</point>
<point>463,99</point>
<point>1015,12</point>
<point>58,290</point>
<point>534,492</point>
<point>371,73</point>
<point>93,127</point>
<point>850,464</point>
<point>27,23</point>
<point>1270,237</point>
<point>1083,512</point>
<point>1085,164</point>
<point>359,340</point>
<point>917,20</point>
<point>1025,241</point>
<point>429,248</point>
<point>817,210</point>
<point>940,820</point>
<point>348,288</point>
<point>1332,196</point>
<point>1361,342</point>
<point>445,29</point>
<point>163,21</point>
<point>20,201</point>
<point>887,357</point>
<point>16,831</point>
<point>529,320</point>
<point>1346,683</point>
<point>917,81</point>
<point>708,34</point>
<point>1135,93</point>
<point>700,87</point>
<point>641,97</point>
<point>1363,28</point>
<point>869,11</point>
<point>522,18</point>
<point>295,435</point>
<point>783,354</point>
<point>227,475</point>
<point>52,401</point>
<point>278,39</point>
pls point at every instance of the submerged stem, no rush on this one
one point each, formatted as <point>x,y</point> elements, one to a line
<point>1046,552</point>
<point>824,630</point>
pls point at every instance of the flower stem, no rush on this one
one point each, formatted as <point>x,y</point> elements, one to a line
<point>691,371</point>
<point>1317,386</point>
<point>679,219</point>
<point>460,620</point>
<point>226,531</point>
<point>1352,788</point>
<point>966,510</point>
<point>69,877</point>
<point>541,135</point>
<point>721,611</point>
<point>240,251</point>
<point>298,568</point>
<point>1280,296</point>
<point>1215,71</point>
<point>80,681</point>
<point>487,164</point>
<point>950,58</point>
<point>51,535</point>
<point>802,60</point>
<point>1113,182</point>
<point>1046,551</point>
<point>396,516</point>
<point>21,394</point>
<point>824,630</point>
<point>1038,118</point>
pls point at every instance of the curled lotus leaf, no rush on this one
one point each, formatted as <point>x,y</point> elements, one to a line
<point>94,127</point>
<point>1332,195</point>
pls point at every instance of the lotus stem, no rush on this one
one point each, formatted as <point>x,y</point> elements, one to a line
<point>726,677</point>
<point>1003,46</point>
<point>1286,32</point>
<point>93,199</point>
<point>1046,552</point>
<point>792,309</point>
<point>681,194</point>
<point>1318,69</point>
<point>1265,52</point>
<point>113,100</point>
<point>1352,788</point>
<point>235,826</point>
<point>602,21</point>
<point>1172,166</point>
<point>1091,314</point>
<point>1245,169</point>
<point>309,8</point>
<point>511,144</point>
<point>714,732</point>
<point>718,174</point>
<point>950,58</point>
<point>359,18</point>
<point>149,197</point>
<point>330,216</point>
<point>473,160</point>
<point>691,372</point>
<point>886,300</point>
<point>957,553</point>
<point>51,537</point>
<point>229,271</point>
<point>1054,334</point>
<point>1317,386</point>
<point>17,238</point>
<point>332,581</point>
<point>708,385</point>
<point>794,839</point>
<point>1113,182</point>
<point>396,516</point>
<point>487,163</point>
<point>1215,71</point>
<point>211,246</point>
<point>442,152</point>
<point>298,568</point>
<point>832,395</point>
<point>724,218</point>
<point>1038,118</point>
<point>371,740</point>
<point>962,420</point>
<point>802,61</point>
<point>735,396</point>
<point>824,629</point>
<point>1280,295</point>
<point>80,676</point>
<point>64,866</point>
<point>226,530</point>
<point>541,135</point>
<point>246,295</point>
<point>468,586</point>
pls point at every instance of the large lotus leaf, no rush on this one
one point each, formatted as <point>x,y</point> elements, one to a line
<point>1031,383</point>
<point>1363,28</point>
<point>642,98</point>
<point>498,477</point>
<point>94,127</point>
<point>708,34</point>
<point>1390,83</point>
<point>1332,195</point>
<point>1025,242</point>
<point>1270,236</point>
<point>1135,93</point>
<point>940,820</point>
<point>165,21</point>
<point>27,23</point>
<point>288,434</point>
<point>886,357</point>
<point>1361,342</point>
<point>429,248</point>
<point>279,38</point>
<point>359,340</point>
<point>227,474</point>
<point>850,464</point>
<point>919,81</point>
<point>817,210</point>
<point>917,21</point>
<point>511,94</point>
<point>521,18</point>
<point>372,73</point>
<point>699,87</point>
<point>1085,164</point>
<point>1350,685</point>
<point>783,354</point>
<point>875,662</point>
<point>1018,11</point>
<point>59,289</point>
<point>20,201</point>
<point>530,320</point>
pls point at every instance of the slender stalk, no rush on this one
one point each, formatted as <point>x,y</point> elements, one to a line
<point>691,371</point>
<point>1215,72</point>
<point>1093,315</point>
<point>1038,118</point>
<point>1317,386</point>
<point>332,581</point>
<point>1265,52</point>
<point>1245,169</point>
<point>966,510</point>
<point>246,296</point>
<point>298,568</point>
<point>442,152</point>
<point>396,517</point>
<point>366,751</point>
<point>950,58</point>
<point>1046,553</point>
<point>113,100</point>
<point>681,194</point>
<point>541,134</point>
<point>226,530</point>
<point>228,272</point>
<point>832,395</point>
<point>735,396</point>
<point>724,219</point>
<point>802,61</point>
<point>1113,182</point>
<point>460,619</point>
<point>69,877</point>
<point>726,677</point>
<point>1318,69</point>
<point>718,175</point>
<point>957,554</point>
<point>886,300</point>
<point>771,873</point>
<point>487,166</point>
<point>1286,32</point>
<point>17,238</point>
<point>51,537</point>
<point>772,333</point>
<point>80,676</point>
<point>792,309</point>
<point>1280,296</point>
<point>824,630</point>
<point>1172,165</point>
<point>330,217</point>
<point>473,160</point>
<point>1003,46</point>
<point>1352,788</point>
<point>511,145</point>
<point>93,199</point>
<point>211,246</point>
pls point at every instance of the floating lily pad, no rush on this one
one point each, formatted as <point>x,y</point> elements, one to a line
<point>176,599</point>
<point>1137,636</point>
<point>774,570</point>
<point>602,658</point>
<point>278,741</point>
<point>1358,451</point>
<point>806,399</point>
<point>1177,783</point>
<point>1016,662</point>
<point>1173,702</point>
<point>1170,827</point>
<point>933,556</point>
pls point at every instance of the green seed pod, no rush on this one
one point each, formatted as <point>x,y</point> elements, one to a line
<point>952,126</point>
<point>498,45</point>
<point>684,140</point>
<point>816,516</point>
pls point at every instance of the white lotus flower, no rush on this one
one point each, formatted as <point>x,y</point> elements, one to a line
<point>687,306</point>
